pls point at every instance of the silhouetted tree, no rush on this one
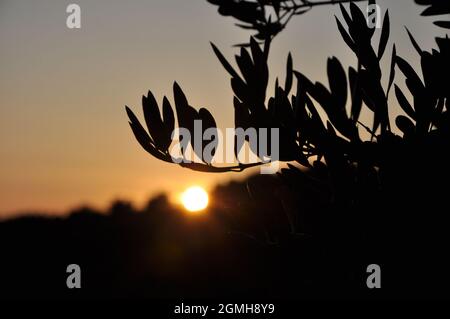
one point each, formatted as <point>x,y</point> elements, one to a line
<point>374,198</point>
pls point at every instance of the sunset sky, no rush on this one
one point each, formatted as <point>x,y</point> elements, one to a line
<point>64,134</point>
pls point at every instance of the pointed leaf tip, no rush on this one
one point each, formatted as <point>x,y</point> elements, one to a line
<point>384,35</point>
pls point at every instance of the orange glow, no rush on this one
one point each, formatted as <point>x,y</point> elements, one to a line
<point>195,199</point>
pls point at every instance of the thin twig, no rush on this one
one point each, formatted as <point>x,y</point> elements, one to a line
<point>214,169</point>
<point>317,3</point>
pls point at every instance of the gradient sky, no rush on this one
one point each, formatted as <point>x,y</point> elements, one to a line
<point>64,134</point>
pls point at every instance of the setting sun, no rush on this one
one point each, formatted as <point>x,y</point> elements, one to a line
<point>195,198</point>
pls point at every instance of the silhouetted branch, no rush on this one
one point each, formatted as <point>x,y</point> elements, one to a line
<point>436,8</point>
<point>268,17</point>
<point>310,4</point>
<point>302,131</point>
<point>214,169</point>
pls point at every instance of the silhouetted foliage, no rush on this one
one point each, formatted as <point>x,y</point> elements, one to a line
<point>362,192</point>
<point>267,17</point>
<point>436,7</point>
<point>303,134</point>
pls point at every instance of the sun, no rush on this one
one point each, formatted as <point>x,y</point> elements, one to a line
<point>195,198</point>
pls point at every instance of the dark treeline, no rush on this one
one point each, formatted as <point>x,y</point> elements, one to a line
<point>249,243</point>
<point>159,251</point>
